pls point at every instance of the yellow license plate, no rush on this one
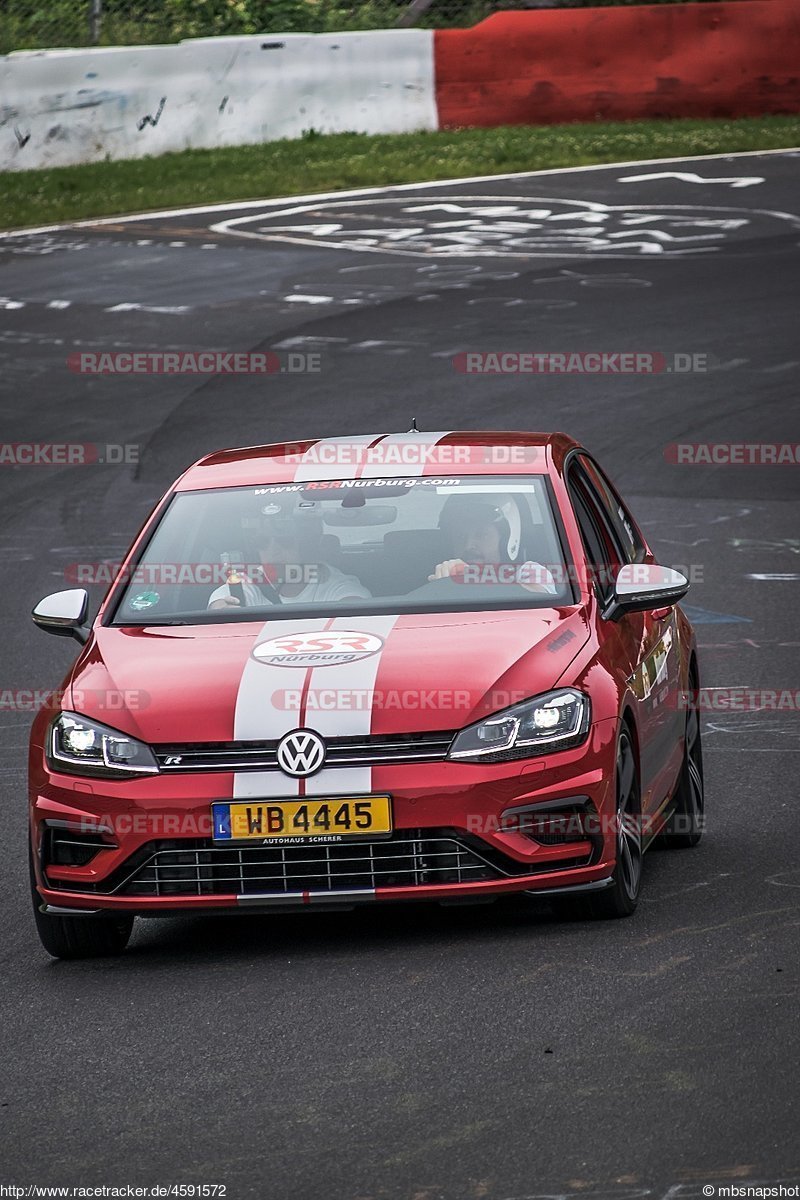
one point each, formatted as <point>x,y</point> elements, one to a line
<point>330,819</point>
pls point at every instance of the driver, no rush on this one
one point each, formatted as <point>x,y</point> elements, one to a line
<point>282,545</point>
<point>482,530</point>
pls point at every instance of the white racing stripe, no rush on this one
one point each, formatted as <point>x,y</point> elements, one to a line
<point>349,683</point>
<point>346,459</point>
<point>259,718</point>
<point>393,469</point>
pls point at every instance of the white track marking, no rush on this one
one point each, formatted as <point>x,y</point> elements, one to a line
<point>736,181</point>
<point>234,206</point>
<point>533,227</point>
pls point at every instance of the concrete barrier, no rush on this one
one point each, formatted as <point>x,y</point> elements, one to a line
<point>59,107</point>
<point>730,59</point>
<point>733,58</point>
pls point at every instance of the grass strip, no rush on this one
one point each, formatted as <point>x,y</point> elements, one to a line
<point>331,162</point>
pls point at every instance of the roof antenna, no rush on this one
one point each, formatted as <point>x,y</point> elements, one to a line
<point>414,428</point>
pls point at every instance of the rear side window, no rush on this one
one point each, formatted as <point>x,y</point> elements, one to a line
<point>616,513</point>
<point>599,543</point>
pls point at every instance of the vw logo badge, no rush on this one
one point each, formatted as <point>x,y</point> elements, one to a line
<point>301,753</point>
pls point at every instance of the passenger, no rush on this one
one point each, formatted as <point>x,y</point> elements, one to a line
<point>483,532</point>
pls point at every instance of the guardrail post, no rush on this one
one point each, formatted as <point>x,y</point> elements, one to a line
<point>410,15</point>
<point>95,20</point>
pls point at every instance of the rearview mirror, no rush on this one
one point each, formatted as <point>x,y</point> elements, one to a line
<point>642,586</point>
<point>64,613</point>
<point>373,514</point>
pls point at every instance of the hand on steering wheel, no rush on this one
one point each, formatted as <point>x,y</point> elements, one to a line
<point>451,568</point>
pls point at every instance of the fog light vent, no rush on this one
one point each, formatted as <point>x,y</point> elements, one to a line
<point>72,848</point>
<point>556,826</point>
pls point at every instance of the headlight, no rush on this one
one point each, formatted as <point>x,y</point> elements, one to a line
<point>79,746</point>
<point>554,721</point>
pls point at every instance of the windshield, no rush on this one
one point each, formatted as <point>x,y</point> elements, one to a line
<point>347,546</point>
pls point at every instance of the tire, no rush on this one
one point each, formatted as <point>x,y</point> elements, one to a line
<point>684,827</point>
<point>79,937</point>
<point>621,897</point>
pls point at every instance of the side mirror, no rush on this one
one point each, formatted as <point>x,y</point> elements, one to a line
<point>64,613</point>
<point>642,586</point>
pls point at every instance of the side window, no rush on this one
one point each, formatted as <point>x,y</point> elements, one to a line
<point>602,552</point>
<point>616,513</point>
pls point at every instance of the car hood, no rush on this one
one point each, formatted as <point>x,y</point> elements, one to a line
<point>342,676</point>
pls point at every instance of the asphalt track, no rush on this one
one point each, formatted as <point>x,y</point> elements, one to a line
<point>430,1054</point>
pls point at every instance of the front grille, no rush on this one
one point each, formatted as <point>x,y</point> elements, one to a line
<point>340,752</point>
<point>404,860</point>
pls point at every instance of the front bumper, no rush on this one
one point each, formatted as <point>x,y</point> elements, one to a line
<point>148,850</point>
<point>339,901</point>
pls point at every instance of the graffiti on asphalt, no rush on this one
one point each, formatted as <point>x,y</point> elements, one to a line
<point>775,545</point>
<point>508,226</point>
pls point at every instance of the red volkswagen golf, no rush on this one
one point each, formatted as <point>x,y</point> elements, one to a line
<point>439,667</point>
